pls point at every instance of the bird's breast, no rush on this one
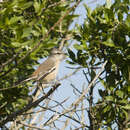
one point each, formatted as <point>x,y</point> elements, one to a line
<point>52,76</point>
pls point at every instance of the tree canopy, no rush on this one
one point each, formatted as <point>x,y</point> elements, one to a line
<point>24,39</point>
<point>104,36</point>
<point>29,29</point>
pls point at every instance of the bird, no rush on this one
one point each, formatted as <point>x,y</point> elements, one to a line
<point>48,70</point>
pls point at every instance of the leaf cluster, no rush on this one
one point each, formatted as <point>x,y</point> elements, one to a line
<point>104,36</point>
<point>23,24</point>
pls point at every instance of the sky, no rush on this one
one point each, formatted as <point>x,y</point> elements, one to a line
<point>65,91</point>
<point>78,80</point>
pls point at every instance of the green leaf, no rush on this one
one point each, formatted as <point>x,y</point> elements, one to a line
<point>27,5</point>
<point>124,101</point>
<point>26,32</point>
<point>35,33</point>
<point>108,4</point>
<point>101,92</point>
<point>16,44</point>
<point>103,83</point>
<point>127,21</point>
<point>120,16</point>
<point>71,17</point>
<point>126,107</point>
<point>71,54</point>
<point>106,109</point>
<point>78,47</point>
<point>15,19</point>
<point>125,112</point>
<point>36,6</point>
<point>109,98</point>
<point>22,44</point>
<point>109,43</point>
<point>89,11</point>
<point>70,62</point>
<point>120,93</point>
<point>129,79</point>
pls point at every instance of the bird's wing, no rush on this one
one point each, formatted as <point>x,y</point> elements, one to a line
<point>45,68</point>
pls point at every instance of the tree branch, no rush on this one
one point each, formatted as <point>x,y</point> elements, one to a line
<point>12,116</point>
<point>30,126</point>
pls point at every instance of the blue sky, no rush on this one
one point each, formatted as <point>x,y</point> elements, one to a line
<point>78,80</point>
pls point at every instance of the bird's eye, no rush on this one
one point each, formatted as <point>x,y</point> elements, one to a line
<point>58,53</point>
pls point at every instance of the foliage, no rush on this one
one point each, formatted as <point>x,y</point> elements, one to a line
<point>104,36</point>
<point>25,37</point>
<point>24,24</point>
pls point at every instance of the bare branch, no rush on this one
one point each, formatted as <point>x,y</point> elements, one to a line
<point>68,37</point>
<point>51,29</point>
<point>30,126</point>
<point>28,79</point>
<point>9,61</point>
<point>69,75</point>
<point>76,103</point>
<point>89,86</point>
<point>28,106</point>
<point>43,38</point>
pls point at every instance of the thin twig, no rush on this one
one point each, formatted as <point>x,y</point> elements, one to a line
<point>52,5</point>
<point>62,115</point>
<point>9,61</point>
<point>28,79</point>
<point>76,103</point>
<point>28,106</point>
<point>58,103</point>
<point>43,38</point>
<point>69,75</point>
<point>68,37</point>
<point>30,126</point>
<point>52,28</point>
<point>89,86</point>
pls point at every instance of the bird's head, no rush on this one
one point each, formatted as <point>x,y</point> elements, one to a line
<point>58,54</point>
